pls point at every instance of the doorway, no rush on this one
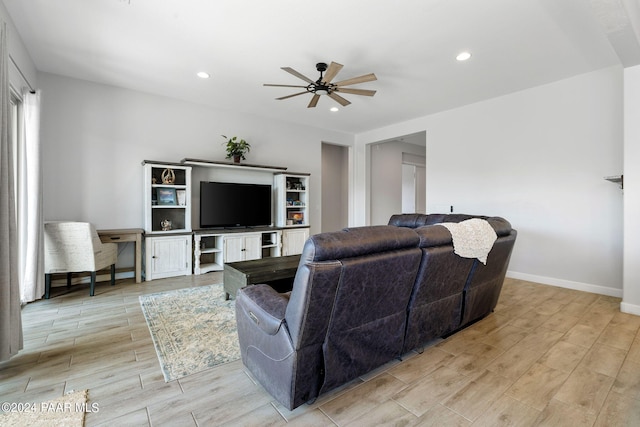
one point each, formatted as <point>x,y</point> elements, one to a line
<point>335,187</point>
<point>396,177</point>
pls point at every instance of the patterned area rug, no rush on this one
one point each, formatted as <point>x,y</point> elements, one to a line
<point>193,329</point>
<point>67,411</point>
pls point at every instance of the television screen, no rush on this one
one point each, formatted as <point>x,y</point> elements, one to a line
<point>227,204</point>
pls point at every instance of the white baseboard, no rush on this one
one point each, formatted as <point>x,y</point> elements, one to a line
<point>568,284</point>
<point>630,308</point>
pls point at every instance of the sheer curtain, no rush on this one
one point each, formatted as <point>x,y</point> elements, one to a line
<point>30,223</point>
<point>10,316</point>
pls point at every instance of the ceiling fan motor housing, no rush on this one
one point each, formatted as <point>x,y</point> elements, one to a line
<point>319,87</point>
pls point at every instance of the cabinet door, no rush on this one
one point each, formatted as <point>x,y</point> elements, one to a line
<point>169,256</point>
<point>252,247</point>
<point>233,248</point>
<point>293,241</point>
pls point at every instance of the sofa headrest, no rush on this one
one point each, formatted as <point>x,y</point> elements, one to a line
<point>357,241</point>
<point>408,220</point>
<point>420,220</point>
<point>501,226</point>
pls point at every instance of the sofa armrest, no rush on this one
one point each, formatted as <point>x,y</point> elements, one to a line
<point>263,305</point>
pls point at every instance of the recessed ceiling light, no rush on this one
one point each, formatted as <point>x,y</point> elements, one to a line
<point>203,75</point>
<point>463,56</point>
<point>334,109</point>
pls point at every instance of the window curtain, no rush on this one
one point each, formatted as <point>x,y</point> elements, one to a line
<point>30,223</point>
<point>10,316</point>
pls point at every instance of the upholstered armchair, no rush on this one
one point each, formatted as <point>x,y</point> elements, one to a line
<point>73,247</point>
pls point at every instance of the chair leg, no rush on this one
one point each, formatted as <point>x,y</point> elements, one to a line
<point>113,274</point>
<point>47,285</point>
<point>69,280</point>
<point>93,284</point>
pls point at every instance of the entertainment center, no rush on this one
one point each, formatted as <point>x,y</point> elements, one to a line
<point>238,221</point>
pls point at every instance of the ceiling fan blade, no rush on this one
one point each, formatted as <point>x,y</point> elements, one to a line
<point>297,74</point>
<point>340,100</point>
<point>314,101</point>
<point>364,92</point>
<point>361,79</point>
<point>332,71</point>
<point>267,84</point>
<point>290,96</point>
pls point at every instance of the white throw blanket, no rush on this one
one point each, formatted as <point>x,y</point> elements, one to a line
<point>472,238</point>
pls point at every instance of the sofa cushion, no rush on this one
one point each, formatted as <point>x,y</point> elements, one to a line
<point>433,235</point>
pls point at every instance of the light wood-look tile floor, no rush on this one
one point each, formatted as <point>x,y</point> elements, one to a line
<point>547,356</point>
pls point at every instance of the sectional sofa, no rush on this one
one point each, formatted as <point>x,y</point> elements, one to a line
<point>364,296</point>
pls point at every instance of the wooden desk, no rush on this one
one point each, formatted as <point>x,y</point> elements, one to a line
<point>126,235</point>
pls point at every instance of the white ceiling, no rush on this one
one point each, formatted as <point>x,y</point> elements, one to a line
<point>157,46</point>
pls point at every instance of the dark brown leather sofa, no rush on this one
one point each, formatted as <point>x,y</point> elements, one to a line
<point>362,297</point>
<point>450,291</point>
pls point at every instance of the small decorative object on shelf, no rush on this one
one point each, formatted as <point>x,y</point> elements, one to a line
<point>166,225</point>
<point>166,196</point>
<point>168,176</point>
<point>236,148</point>
<point>182,197</point>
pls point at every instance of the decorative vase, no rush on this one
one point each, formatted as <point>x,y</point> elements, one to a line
<point>168,176</point>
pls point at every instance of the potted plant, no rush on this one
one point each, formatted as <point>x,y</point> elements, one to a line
<point>236,148</point>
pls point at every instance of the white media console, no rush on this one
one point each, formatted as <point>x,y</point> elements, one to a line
<point>174,248</point>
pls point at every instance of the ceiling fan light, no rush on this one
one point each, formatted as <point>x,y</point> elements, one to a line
<point>321,92</point>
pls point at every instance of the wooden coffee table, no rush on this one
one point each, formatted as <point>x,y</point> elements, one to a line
<point>274,271</point>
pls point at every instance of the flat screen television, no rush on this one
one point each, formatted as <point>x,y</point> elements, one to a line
<point>227,204</point>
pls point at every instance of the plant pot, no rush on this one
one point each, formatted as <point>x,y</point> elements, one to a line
<point>236,159</point>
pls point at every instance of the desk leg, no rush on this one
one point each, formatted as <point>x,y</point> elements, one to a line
<point>138,266</point>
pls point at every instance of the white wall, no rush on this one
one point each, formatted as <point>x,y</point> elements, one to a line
<point>537,158</point>
<point>631,298</point>
<point>94,138</point>
<point>24,73</point>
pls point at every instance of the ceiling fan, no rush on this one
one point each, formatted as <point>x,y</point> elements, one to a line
<point>323,85</point>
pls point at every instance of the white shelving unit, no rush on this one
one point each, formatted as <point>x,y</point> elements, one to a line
<point>292,199</point>
<point>168,248</point>
<point>208,252</point>
<point>173,252</point>
<point>166,201</point>
<point>213,249</point>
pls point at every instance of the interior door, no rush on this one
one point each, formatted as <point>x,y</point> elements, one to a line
<point>408,188</point>
<point>414,197</point>
<point>421,189</point>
